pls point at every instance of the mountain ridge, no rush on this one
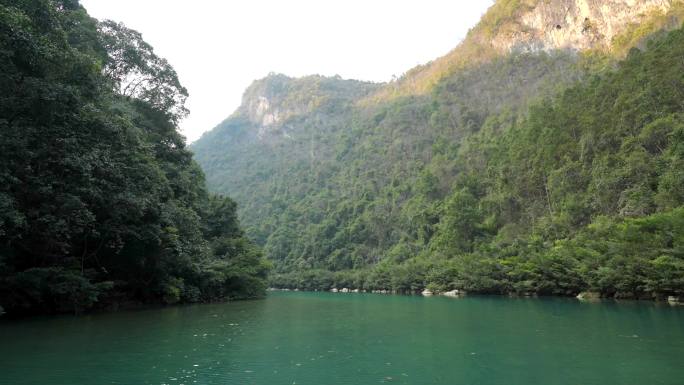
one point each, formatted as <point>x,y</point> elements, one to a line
<point>395,189</point>
<point>511,27</point>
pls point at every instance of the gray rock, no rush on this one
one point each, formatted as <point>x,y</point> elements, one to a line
<point>454,293</point>
<point>589,296</point>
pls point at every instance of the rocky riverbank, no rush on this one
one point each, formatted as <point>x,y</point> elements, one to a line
<point>587,296</point>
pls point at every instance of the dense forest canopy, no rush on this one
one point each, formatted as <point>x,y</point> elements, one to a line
<point>101,203</point>
<point>535,172</point>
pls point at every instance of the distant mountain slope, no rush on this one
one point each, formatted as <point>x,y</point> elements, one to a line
<point>443,174</point>
<point>284,146</point>
<point>284,126</point>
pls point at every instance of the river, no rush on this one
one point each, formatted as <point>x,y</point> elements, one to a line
<point>344,339</point>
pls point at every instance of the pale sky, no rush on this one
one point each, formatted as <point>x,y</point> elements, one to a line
<point>219,47</point>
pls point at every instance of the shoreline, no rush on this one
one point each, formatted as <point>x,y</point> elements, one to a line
<point>584,297</point>
<point>127,306</point>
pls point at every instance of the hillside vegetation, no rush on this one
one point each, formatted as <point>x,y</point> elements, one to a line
<point>101,203</point>
<point>548,172</point>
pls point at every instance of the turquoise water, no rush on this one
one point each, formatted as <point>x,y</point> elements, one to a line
<point>330,339</point>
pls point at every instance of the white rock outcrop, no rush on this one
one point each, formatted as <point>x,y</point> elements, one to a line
<point>453,293</point>
<point>589,296</point>
<point>574,24</point>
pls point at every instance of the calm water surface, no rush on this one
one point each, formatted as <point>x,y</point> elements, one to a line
<point>340,339</point>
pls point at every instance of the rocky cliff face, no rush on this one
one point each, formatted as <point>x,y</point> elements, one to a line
<point>515,26</point>
<point>263,104</point>
<point>269,103</point>
<point>575,24</point>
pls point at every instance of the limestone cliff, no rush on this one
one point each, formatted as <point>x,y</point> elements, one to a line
<point>269,103</point>
<point>511,26</point>
<point>575,24</point>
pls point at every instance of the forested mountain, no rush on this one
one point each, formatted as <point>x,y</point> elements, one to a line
<point>101,203</point>
<point>542,155</point>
